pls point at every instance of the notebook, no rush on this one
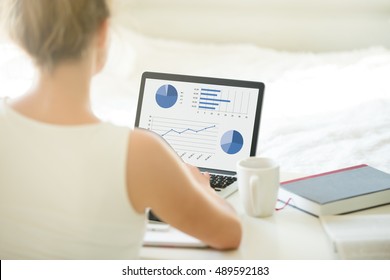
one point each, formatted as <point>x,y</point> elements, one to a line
<point>211,123</point>
<point>163,235</point>
<point>338,191</point>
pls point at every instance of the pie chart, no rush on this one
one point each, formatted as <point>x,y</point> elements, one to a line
<point>166,96</point>
<point>232,142</point>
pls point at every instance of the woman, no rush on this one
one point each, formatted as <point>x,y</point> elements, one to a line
<point>71,186</point>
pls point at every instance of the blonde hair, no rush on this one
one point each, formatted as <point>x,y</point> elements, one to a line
<point>52,31</point>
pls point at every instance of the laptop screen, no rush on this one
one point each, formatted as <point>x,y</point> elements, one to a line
<point>211,123</point>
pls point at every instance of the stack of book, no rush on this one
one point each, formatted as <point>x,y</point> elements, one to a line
<point>337,192</point>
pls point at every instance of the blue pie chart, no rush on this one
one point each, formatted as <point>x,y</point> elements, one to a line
<point>232,142</point>
<point>166,96</point>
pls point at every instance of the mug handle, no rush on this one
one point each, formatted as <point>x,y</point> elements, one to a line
<point>254,192</point>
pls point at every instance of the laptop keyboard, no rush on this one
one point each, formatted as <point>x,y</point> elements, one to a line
<point>219,182</point>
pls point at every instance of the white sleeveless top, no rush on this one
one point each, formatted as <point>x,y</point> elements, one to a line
<point>63,191</point>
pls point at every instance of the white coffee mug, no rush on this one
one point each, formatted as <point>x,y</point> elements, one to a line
<point>258,185</point>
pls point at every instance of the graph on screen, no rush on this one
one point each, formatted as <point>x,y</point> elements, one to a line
<point>188,138</point>
<point>166,96</point>
<point>222,100</point>
<point>207,125</point>
<point>232,142</point>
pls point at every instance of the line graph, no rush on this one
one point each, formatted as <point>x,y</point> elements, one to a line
<point>187,129</point>
<point>190,139</point>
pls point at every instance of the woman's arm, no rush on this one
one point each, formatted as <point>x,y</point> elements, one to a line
<point>180,195</point>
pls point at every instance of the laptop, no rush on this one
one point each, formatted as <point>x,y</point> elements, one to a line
<point>211,123</point>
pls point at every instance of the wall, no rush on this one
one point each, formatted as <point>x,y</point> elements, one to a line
<point>293,25</point>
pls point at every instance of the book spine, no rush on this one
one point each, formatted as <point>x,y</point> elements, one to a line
<point>324,174</point>
<point>357,203</point>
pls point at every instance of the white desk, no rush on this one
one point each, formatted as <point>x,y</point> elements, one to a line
<point>288,234</point>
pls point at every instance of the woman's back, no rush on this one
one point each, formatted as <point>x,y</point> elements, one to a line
<point>72,187</point>
<point>63,191</point>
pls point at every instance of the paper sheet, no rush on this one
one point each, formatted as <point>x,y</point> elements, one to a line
<point>359,236</point>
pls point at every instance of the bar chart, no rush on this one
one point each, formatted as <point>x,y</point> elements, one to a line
<point>223,100</point>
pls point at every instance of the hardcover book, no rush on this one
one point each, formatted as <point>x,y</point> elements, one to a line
<point>337,192</point>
